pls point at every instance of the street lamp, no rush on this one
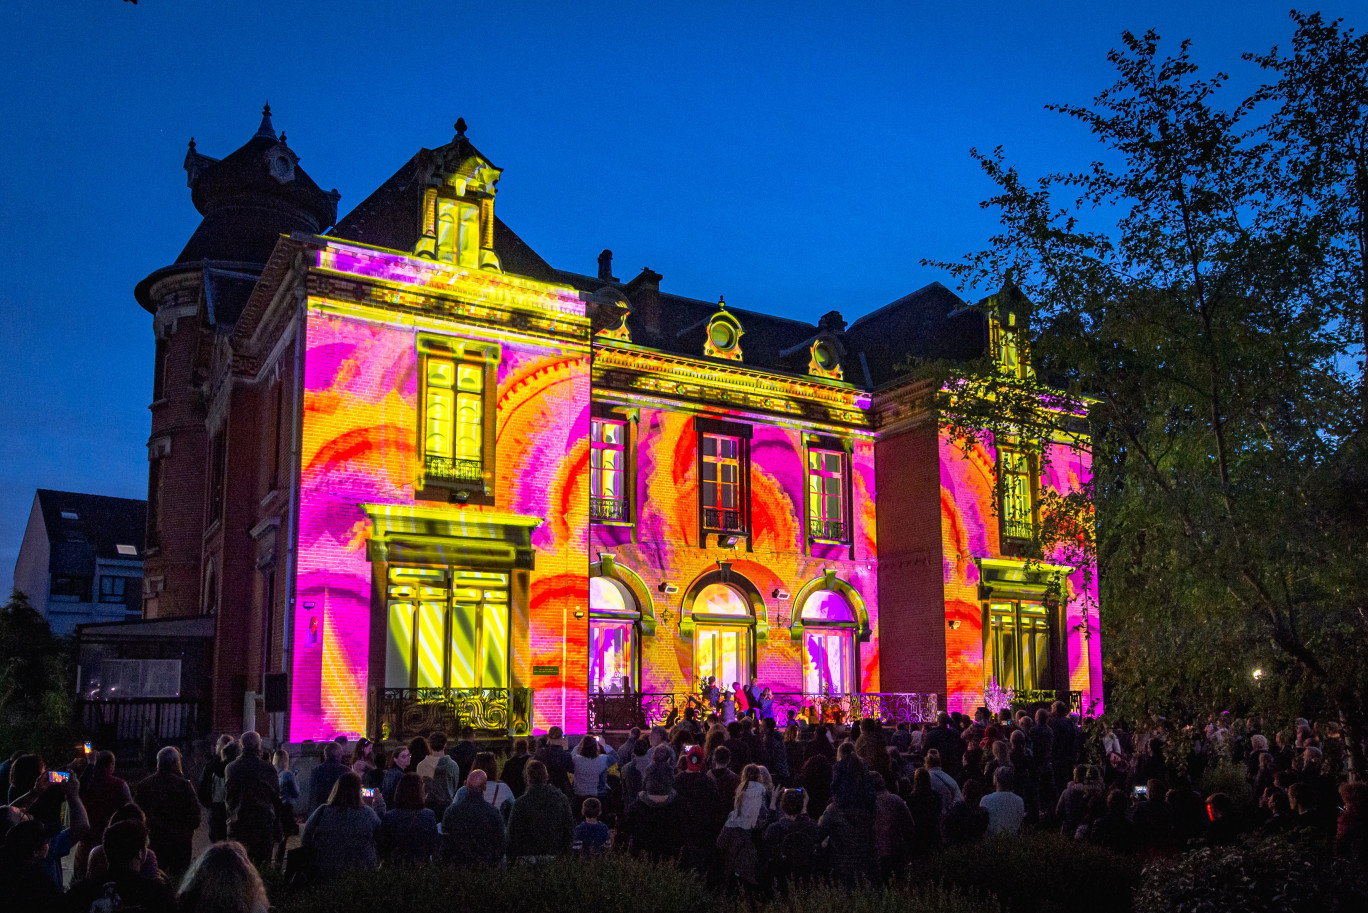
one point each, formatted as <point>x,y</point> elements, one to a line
<point>1258,674</point>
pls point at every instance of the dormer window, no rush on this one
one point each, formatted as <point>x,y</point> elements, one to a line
<point>458,233</point>
<point>1008,343</point>
<point>724,334</point>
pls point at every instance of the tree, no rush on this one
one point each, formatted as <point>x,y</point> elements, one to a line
<point>1180,283</point>
<point>36,684</point>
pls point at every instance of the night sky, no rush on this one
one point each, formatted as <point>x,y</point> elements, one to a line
<point>790,157</point>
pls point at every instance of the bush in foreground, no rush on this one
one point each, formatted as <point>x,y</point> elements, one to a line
<point>594,886</point>
<point>1035,873</point>
<point>1293,873</point>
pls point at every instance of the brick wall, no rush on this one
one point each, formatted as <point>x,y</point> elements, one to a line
<point>911,594</point>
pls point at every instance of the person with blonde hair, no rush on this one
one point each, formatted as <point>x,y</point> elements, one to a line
<point>222,880</point>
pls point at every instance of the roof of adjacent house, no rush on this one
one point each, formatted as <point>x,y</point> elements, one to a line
<point>93,526</point>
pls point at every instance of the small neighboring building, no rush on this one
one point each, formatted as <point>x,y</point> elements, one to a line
<point>81,558</point>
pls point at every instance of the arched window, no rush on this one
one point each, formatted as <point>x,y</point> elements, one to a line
<point>613,627</point>
<point>723,634</point>
<point>828,643</point>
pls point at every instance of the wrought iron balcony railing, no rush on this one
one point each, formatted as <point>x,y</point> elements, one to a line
<point>726,519</point>
<point>827,530</point>
<point>450,470</point>
<point>410,712</point>
<point>644,709</point>
<point>610,509</point>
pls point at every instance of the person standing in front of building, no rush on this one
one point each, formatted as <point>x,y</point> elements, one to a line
<point>252,791</point>
<point>173,812</point>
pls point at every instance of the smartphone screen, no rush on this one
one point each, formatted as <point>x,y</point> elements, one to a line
<point>87,748</point>
<point>58,776</point>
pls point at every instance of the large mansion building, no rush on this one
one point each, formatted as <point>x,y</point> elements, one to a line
<point>416,472</point>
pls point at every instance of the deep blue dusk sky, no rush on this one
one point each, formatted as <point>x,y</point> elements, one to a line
<point>794,158</point>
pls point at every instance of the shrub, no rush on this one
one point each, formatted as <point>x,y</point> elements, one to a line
<point>1035,873</point>
<point>1226,776</point>
<point>592,886</point>
<point>1290,873</point>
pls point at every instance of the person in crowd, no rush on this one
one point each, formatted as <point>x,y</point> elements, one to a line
<point>654,826</point>
<point>408,831</point>
<point>362,761</point>
<point>28,882</point>
<point>223,880</point>
<point>1351,828</point>
<point>740,750</point>
<point>1224,827</point>
<point>103,794</point>
<point>209,778</point>
<point>591,834</point>
<point>894,829</point>
<point>287,788</point>
<point>342,831</point>
<point>872,748</point>
<point>97,864</point>
<point>700,809</point>
<point>496,793</point>
<point>324,777</point>
<point>173,812</point>
<point>726,780</point>
<point>441,774</point>
<point>848,831</point>
<point>1114,830</point>
<point>472,829</point>
<point>791,842</point>
<point>397,766</point>
<point>927,808</point>
<point>726,707</point>
<point>1005,808</point>
<point>766,705</point>
<point>944,784</point>
<point>775,752</point>
<point>1278,810</point>
<point>252,790</point>
<point>557,760</point>
<point>592,758</point>
<point>1065,737</point>
<point>123,886</point>
<point>541,824</point>
<point>512,773</point>
<point>1153,820</point>
<point>463,753</point>
<point>736,843</point>
<point>945,741</point>
<point>1073,802</point>
<point>418,751</point>
<point>39,799</point>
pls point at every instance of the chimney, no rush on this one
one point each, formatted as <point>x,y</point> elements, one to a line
<point>606,266</point>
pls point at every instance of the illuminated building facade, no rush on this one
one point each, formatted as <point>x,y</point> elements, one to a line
<point>419,475</point>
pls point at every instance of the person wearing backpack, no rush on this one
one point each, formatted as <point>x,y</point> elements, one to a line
<point>790,843</point>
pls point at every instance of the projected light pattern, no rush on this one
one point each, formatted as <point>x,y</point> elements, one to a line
<point>731,626</point>
<point>969,530</point>
<point>359,445</point>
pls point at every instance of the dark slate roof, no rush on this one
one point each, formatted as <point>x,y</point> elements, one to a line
<point>100,525</point>
<point>245,207</point>
<point>389,217</point>
<point>932,322</point>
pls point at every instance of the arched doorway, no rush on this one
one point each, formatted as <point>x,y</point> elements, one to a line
<point>613,637</point>
<point>829,643</point>
<point>724,627</point>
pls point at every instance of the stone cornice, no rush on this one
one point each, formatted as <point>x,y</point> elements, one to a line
<point>633,370</point>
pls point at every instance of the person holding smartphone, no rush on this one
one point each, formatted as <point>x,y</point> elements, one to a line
<point>41,802</point>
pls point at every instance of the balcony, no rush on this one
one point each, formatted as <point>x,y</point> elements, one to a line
<point>409,712</point>
<point>611,510</point>
<point>448,470</point>
<point>723,519</point>
<point>608,712</point>
<point>827,530</point>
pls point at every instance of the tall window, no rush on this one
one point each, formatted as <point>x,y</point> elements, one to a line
<point>218,468</point>
<point>828,644</point>
<point>1009,346</point>
<point>447,628</point>
<point>1016,476</point>
<point>722,636</point>
<point>456,441</point>
<point>608,470</point>
<point>277,434</point>
<point>826,496</point>
<point>722,508</point>
<point>458,233</point>
<point>159,371</point>
<point>154,497</point>
<point>1017,646</point>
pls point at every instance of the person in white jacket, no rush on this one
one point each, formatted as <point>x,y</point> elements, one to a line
<point>748,814</point>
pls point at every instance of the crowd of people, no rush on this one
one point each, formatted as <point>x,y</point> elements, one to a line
<point>743,803</point>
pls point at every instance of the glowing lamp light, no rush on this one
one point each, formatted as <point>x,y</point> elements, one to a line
<point>1258,674</point>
